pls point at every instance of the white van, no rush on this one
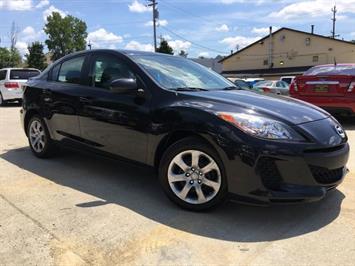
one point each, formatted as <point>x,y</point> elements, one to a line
<point>11,82</point>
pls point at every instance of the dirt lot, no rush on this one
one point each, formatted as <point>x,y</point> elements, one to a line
<point>78,209</point>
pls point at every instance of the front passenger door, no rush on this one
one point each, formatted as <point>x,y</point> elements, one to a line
<point>115,122</point>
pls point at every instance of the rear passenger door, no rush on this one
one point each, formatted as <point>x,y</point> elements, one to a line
<point>61,98</point>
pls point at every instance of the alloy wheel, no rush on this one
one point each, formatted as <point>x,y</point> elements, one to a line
<point>194,177</point>
<point>37,136</point>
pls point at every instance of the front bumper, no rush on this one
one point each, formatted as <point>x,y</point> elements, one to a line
<point>265,173</point>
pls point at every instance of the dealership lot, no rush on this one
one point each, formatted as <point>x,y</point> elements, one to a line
<point>78,209</point>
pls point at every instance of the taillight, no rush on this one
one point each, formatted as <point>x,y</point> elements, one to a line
<point>293,87</point>
<point>352,87</point>
<point>266,90</point>
<point>11,85</point>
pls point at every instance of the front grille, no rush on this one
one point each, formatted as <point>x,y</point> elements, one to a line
<point>325,176</point>
<point>270,176</point>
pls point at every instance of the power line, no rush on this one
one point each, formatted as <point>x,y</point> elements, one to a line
<point>193,43</point>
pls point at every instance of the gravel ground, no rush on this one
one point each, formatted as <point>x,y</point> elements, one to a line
<point>79,209</point>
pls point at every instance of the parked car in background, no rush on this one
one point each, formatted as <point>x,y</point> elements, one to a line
<point>253,81</point>
<point>331,87</point>
<point>288,79</point>
<point>12,81</point>
<point>272,86</point>
<point>242,84</point>
<point>207,138</point>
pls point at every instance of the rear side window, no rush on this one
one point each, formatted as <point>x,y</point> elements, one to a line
<point>331,70</point>
<point>70,71</point>
<point>2,74</point>
<point>23,74</point>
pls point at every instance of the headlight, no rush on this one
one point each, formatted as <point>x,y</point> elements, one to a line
<point>261,127</point>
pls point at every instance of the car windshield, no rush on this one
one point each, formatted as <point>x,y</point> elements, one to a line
<point>331,70</point>
<point>172,72</point>
<point>23,73</point>
<point>287,80</point>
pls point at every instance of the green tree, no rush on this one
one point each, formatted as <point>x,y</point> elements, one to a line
<point>165,48</point>
<point>183,53</point>
<point>65,35</point>
<point>36,58</point>
<point>9,57</point>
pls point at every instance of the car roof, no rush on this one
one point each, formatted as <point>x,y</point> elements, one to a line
<point>19,68</point>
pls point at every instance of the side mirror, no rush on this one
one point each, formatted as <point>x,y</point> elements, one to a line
<point>123,85</point>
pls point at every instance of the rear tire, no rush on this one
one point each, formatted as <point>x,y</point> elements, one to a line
<point>2,101</point>
<point>192,175</point>
<point>39,139</point>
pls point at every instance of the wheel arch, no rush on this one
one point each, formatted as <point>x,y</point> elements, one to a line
<point>28,116</point>
<point>176,136</point>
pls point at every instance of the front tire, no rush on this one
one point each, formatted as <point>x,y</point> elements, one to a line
<point>192,175</point>
<point>39,139</point>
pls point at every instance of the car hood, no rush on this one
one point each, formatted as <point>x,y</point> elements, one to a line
<point>282,108</point>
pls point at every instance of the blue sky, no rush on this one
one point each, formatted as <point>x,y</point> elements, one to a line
<point>201,27</point>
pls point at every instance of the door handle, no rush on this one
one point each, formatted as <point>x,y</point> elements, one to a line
<point>85,100</point>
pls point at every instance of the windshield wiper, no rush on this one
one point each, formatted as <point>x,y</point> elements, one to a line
<point>231,88</point>
<point>189,89</point>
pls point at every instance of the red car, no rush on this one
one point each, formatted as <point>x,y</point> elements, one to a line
<point>331,87</point>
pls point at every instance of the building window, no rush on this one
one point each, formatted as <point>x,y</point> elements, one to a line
<point>308,41</point>
<point>315,58</point>
<point>266,62</point>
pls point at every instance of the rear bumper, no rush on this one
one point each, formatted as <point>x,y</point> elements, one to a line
<point>344,104</point>
<point>12,94</point>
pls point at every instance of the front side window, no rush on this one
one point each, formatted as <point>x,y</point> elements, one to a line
<point>107,69</point>
<point>70,71</point>
<point>172,72</point>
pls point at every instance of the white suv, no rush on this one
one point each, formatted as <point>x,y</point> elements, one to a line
<point>11,82</point>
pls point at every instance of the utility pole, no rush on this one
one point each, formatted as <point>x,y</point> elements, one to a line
<point>89,44</point>
<point>334,10</point>
<point>153,4</point>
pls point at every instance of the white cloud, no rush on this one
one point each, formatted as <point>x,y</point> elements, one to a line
<point>42,3</point>
<point>29,34</point>
<point>240,41</point>
<point>48,12</point>
<point>17,5</point>
<point>167,37</point>
<point>134,45</point>
<point>204,54</point>
<point>138,7</point>
<point>223,28</point>
<point>315,8</point>
<point>179,45</point>
<point>162,22</point>
<point>102,38</point>
<point>263,31</point>
<point>22,47</point>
